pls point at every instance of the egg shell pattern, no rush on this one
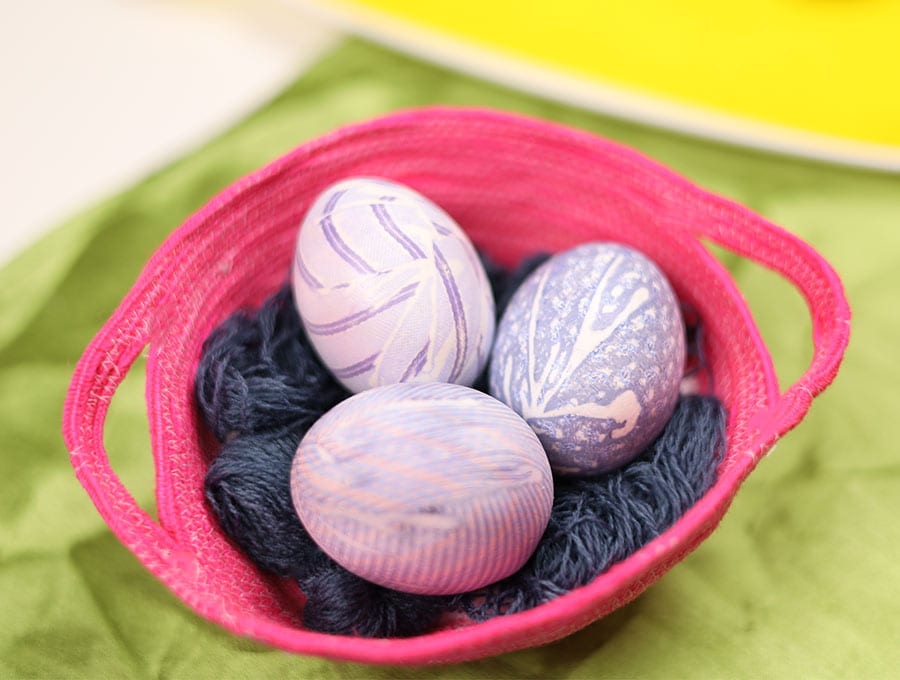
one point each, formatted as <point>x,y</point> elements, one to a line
<point>390,289</point>
<point>590,351</point>
<point>430,488</point>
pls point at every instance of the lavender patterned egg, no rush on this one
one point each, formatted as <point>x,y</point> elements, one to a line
<point>590,352</point>
<point>390,289</point>
<point>430,488</point>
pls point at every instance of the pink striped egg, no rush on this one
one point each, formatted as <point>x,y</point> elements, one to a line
<point>390,289</point>
<point>430,488</point>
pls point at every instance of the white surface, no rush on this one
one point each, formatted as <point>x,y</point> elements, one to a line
<point>592,94</point>
<point>98,93</point>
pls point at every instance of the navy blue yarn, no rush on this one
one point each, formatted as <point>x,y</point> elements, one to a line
<point>596,522</point>
<point>341,603</point>
<point>248,488</point>
<point>694,339</point>
<point>258,373</point>
<point>505,282</point>
<point>260,387</point>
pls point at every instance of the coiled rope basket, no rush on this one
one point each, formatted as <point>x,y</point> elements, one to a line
<point>518,186</point>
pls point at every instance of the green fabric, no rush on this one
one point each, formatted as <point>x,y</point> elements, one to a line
<point>800,580</point>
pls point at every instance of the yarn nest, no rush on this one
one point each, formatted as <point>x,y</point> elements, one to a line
<point>260,387</point>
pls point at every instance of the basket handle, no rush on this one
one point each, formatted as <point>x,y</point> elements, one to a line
<point>744,233</point>
<point>98,374</point>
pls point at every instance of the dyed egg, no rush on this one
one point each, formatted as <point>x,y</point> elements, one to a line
<point>390,289</point>
<point>429,488</point>
<point>590,352</point>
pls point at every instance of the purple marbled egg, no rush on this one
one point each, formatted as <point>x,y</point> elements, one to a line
<point>390,289</point>
<point>429,488</point>
<point>590,351</point>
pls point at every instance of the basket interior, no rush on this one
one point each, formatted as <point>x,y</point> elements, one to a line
<point>516,190</point>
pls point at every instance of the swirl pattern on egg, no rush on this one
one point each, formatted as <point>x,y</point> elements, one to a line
<point>390,288</point>
<point>590,352</point>
<point>429,488</point>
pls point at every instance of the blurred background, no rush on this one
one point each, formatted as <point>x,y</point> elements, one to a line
<point>98,93</point>
<point>89,86</point>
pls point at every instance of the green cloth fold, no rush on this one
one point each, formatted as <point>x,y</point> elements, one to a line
<point>800,580</point>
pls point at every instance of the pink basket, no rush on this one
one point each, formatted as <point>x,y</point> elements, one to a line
<point>517,186</point>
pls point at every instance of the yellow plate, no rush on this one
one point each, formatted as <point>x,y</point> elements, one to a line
<point>814,77</point>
